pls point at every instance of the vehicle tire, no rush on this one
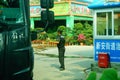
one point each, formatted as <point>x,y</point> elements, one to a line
<point>31,77</point>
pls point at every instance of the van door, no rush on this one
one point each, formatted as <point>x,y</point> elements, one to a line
<point>16,54</point>
<point>2,39</point>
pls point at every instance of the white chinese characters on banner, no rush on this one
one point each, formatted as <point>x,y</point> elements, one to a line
<point>118,46</point>
<point>111,47</point>
<point>107,46</point>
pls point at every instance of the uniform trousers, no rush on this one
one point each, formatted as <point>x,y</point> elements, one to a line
<point>61,52</point>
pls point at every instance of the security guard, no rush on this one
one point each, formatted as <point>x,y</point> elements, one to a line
<point>61,49</point>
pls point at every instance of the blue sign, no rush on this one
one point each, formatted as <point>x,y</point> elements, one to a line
<point>111,47</point>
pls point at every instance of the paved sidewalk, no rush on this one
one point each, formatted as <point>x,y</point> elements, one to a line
<point>75,51</point>
<point>47,68</point>
<point>78,58</point>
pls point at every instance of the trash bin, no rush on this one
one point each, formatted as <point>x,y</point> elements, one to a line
<point>103,60</point>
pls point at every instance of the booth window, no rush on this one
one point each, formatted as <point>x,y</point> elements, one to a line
<point>104,23</point>
<point>117,23</point>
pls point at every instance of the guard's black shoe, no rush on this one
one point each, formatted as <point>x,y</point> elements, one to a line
<point>61,69</point>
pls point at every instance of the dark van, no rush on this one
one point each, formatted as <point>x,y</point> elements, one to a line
<point>16,53</point>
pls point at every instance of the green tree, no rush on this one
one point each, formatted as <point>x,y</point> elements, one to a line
<point>52,36</point>
<point>85,29</point>
<point>88,31</point>
<point>78,29</point>
<point>63,29</point>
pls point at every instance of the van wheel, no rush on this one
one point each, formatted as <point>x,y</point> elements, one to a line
<point>31,77</point>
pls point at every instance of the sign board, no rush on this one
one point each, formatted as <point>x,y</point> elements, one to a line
<point>63,9</point>
<point>35,11</point>
<point>112,47</point>
<point>59,9</point>
<point>78,9</point>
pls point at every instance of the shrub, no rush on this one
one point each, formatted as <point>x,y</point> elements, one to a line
<point>42,36</point>
<point>92,76</point>
<point>118,78</point>
<point>85,29</point>
<point>109,74</point>
<point>81,37</point>
<point>52,35</point>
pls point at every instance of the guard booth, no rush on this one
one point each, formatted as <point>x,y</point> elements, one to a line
<point>106,29</point>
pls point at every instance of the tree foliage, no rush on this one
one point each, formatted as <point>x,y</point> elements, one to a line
<point>85,29</point>
<point>63,29</point>
<point>71,35</point>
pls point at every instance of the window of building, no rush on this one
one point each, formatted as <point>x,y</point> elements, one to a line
<point>101,23</point>
<point>104,23</point>
<point>117,23</point>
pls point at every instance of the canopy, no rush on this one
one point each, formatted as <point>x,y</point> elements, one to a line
<point>100,5</point>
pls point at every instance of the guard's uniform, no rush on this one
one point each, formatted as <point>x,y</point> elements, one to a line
<point>61,50</point>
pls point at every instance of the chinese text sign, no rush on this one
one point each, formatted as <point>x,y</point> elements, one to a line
<point>111,47</point>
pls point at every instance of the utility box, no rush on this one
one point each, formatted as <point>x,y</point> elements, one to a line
<point>103,60</point>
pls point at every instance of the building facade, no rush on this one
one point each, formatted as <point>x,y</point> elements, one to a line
<point>67,13</point>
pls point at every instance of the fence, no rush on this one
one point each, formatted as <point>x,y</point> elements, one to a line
<point>43,44</point>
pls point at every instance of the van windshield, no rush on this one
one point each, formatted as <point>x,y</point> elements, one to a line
<point>11,11</point>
